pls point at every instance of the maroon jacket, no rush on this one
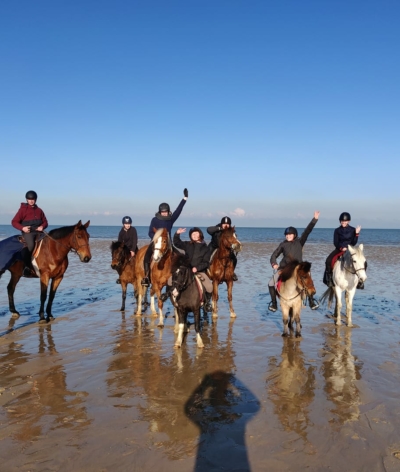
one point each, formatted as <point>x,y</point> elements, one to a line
<point>29,216</point>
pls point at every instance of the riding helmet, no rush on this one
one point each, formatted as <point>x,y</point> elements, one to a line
<point>226,221</point>
<point>345,216</point>
<point>193,230</point>
<point>31,195</point>
<point>126,220</point>
<point>164,207</point>
<point>291,230</point>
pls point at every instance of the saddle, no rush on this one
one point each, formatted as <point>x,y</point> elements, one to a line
<point>278,286</point>
<point>336,258</point>
<point>200,288</point>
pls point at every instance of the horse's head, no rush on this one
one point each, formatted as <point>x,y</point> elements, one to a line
<point>162,244</point>
<point>358,260</point>
<point>229,240</point>
<point>181,274</point>
<point>80,241</point>
<point>304,279</point>
<point>119,254</point>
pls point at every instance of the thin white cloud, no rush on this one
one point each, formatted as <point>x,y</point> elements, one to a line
<point>238,212</point>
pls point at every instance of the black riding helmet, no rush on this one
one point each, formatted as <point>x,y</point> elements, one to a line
<point>345,216</point>
<point>193,230</point>
<point>31,195</point>
<point>226,221</point>
<point>126,220</point>
<point>164,207</point>
<point>291,230</point>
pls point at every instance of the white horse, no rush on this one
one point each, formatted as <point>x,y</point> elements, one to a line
<point>347,272</point>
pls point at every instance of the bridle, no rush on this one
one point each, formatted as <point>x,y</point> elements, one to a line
<point>70,248</point>
<point>121,264</point>
<point>353,266</point>
<point>304,289</point>
<point>187,281</point>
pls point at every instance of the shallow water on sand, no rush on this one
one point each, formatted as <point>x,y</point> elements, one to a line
<point>101,390</point>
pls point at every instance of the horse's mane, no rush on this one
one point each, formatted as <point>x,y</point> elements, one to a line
<point>287,271</point>
<point>116,245</point>
<point>179,260</point>
<point>59,233</point>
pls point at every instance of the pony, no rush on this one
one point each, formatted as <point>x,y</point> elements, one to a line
<point>160,271</point>
<point>124,264</point>
<point>221,267</point>
<point>186,297</point>
<point>52,260</point>
<point>294,285</point>
<point>347,272</point>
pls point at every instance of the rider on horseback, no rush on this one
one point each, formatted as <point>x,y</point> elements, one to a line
<point>343,236</point>
<point>215,233</point>
<point>128,236</point>
<point>163,219</point>
<point>292,249</point>
<point>30,220</point>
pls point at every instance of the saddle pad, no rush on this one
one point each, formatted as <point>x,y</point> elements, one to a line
<point>199,287</point>
<point>35,254</point>
<point>336,257</point>
<point>278,286</point>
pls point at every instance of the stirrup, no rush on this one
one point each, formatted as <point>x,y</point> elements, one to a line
<point>272,306</point>
<point>314,305</point>
<point>164,296</point>
<point>145,281</point>
<point>118,281</point>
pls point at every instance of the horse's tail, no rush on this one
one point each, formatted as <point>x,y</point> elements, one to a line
<point>328,295</point>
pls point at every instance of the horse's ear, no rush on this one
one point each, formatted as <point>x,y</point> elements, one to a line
<point>86,225</point>
<point>351,249</point>
<point>361,246</point>
<point>78,224</point>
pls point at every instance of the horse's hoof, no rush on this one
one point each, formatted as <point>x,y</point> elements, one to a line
<point>15,315</point>
<point>42,321</point>
<point>177,346</point>
<point>201,346</point>
<point>298,335</point>
<point>215,315</point>
<point>233,315</point>
<point>350,325</point>
<point>338,323</point>
<point>160,325</point>
<point>285,335</point>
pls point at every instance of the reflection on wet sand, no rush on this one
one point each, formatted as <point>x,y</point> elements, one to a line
<point>341,370</point>
<point>45,403</point>
<point>291,388</point>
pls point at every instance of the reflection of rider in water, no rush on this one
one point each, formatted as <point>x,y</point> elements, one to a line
<point>221,406</point>
<point>163,219</point>
<point>30,220</point>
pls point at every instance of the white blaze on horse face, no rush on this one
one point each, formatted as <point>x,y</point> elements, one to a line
<point>157,249</point>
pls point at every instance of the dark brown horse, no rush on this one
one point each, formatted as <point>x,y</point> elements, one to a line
<point>160,271</point>
<point>52,261</point>
<point>221,267</point>
<point>124,264</point>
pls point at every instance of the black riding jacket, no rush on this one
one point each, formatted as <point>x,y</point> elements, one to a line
<point>129,238</point>
<point>342,237</point>
<point>292,250</point>
<point>198,253</point>
<point>215,233</point>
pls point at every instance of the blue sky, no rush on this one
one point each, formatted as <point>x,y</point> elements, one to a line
<point>264,110</point>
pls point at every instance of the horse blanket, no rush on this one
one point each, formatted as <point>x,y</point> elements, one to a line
<point>10,251</point>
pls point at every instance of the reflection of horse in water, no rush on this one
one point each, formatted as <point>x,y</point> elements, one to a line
<point>222,269</point>
<point>52,261</point>
<point>341,371</point>
<point>124,264</point>
<point>347,272</point>
<point>295,285</point>
<point>291,388</point>
<point>221,406</point>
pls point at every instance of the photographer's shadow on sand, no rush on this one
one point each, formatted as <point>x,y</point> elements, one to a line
<point>221,406</point>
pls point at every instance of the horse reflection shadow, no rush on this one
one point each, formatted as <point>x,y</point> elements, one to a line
<point>221,406</point>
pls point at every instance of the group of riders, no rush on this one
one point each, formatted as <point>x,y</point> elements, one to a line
<point>31,221</point>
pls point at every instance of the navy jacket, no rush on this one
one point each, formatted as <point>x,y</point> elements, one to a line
<point>159,222</point>
<point>198,253</point>
<point>129,238</point>
<point>342,237</point>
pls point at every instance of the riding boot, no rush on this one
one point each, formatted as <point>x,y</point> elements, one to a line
<point>360,285</point>
<point>234,277</point>
<point>328,280</point>
<point>314,305</point>
<point>28,270</point>
<point>164,296</point>
<point>118,281</point>
<point>146,278</point>
<point>208,305</point>
<point>273,306</point>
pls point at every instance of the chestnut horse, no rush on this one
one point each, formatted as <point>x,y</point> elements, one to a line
<point>52,261</point>
<point>296,285</point>
<point>160,271</point>
<point>124,264</point>
<point>221,267</point>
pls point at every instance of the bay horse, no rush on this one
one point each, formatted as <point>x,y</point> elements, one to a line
<point>52,261</point>
<point>347,272</point>
<point>186,297</point>
<point>295,284</point>
<point>221,267</point>
<point>124,264</point>
<point>160,271</point>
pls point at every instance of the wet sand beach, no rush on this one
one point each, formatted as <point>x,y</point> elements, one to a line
<point>101,390</point>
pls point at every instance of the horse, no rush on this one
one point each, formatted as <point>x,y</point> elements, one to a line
<point>294,285</point>
<point>221,267</point>
<point>52,260</point>
<point>186,297</point>
<point>124,264</point>
<point>347,272</point>
<point>160,271</point>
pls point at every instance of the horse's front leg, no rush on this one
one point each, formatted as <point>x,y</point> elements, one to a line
<point>123,287</point>
<point>197,327</point>
<point>153,291</point>
<point>215,299</point>
<point>230,286</point>
<point>44,282</point>
<point>181,327</point>
<point>160,309</point>
<point>349,306</point>
<point>338,305</point>
<point>176,327</point>
<point>296,318</point>
<point>285,319</point>
<point>53,289</point>
<point>10,291</point>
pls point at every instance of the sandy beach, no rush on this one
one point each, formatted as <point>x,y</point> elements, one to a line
<point>101,390</point>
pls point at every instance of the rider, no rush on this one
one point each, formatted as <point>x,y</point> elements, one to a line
<point>30,220</point>
<point>343,236</point>
<point>215,233</point>
<point>163,219</point>
<point>198,254</point>
<point>292,249</point>
<point>128,236</point>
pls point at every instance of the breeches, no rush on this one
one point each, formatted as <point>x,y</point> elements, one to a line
<point>30,240</point>
<point>274,279</point>
<point>328,262</point>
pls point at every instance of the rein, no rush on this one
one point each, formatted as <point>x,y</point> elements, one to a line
<point>304,289</point>
<point>355,270</point>
<point>70,248</point>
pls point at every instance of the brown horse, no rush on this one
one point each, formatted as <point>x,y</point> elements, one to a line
<point>124,264</point>
<point>296,285</point>
<point>52,261</point>
<point>160,271</point>
<point>221,267</point>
